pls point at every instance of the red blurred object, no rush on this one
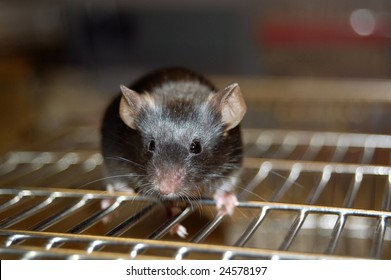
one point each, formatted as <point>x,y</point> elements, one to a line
<point>273,33</point>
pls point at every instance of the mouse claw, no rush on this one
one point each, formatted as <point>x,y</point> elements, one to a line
<point>179,230</point>
<point>226,202</point>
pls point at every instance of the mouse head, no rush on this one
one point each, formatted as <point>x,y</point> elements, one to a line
<point>190,139</point>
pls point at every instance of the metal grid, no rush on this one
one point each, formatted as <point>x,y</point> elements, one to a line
<point>303,195</point>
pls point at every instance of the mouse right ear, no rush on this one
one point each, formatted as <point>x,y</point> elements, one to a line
<point>230,103</point>
<point>130,106</point>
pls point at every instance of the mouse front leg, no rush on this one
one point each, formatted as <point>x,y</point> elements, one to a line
<point>177,229</point>
<point>118,186</point>
<point>226,202</point>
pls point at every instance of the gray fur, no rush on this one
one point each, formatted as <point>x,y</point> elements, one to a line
<point>180,113</point>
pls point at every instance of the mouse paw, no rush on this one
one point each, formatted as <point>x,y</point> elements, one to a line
<point>111,188</point>
<point>119,186</point>
<point>107,202</point>
<point>225,202</point>
<point>179,230</point>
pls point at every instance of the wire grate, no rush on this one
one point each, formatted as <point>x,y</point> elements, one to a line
<point>303,195</point>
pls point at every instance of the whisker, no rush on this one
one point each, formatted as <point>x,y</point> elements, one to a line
<point>126,160</point>
<point>286,178</point>
<point>106,178</point>
<point>252,193</point>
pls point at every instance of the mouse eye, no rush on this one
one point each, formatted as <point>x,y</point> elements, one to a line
<point>152,146</point>
<point>195,147</point>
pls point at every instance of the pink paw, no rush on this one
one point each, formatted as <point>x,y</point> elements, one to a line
<point>120,187</point>
<point>178,229</point>
<point>225,202</point>
<point>107,202</point>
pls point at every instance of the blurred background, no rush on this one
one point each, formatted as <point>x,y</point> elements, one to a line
<point>61,61</point>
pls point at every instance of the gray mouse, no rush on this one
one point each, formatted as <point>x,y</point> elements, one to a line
<point>173,136</point>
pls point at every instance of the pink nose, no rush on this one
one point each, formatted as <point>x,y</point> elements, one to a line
<point>170,182</point>
<point>165,191</point>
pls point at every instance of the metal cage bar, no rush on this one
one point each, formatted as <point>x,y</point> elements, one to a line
<point>31,215</point>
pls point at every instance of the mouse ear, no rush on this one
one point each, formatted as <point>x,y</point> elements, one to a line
<point>231,104</point>
<point>130,106</point>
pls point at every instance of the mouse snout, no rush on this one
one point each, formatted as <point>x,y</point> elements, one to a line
<point>169,181</point>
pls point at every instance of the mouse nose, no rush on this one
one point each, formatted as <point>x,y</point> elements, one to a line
<point>165,191</point>
<point>169,182</point>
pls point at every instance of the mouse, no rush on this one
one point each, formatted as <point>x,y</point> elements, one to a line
<point>173,136</point>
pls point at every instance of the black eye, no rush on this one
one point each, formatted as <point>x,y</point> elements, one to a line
<point>195,147</point>
<point>151,146</point>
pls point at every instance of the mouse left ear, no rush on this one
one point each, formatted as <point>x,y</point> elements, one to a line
<point>231,104</point>
<point>130,106</point>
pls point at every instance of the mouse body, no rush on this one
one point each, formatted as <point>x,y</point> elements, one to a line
<point>173,136</point>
